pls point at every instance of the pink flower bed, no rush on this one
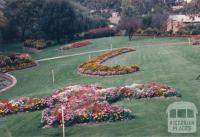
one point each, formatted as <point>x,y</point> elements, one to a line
<point>85,103</point>
<point>92,103</point>
<point>77,44</point>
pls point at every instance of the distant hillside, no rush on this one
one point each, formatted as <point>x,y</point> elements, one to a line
<point>1,4</point>
<point>100,4</point>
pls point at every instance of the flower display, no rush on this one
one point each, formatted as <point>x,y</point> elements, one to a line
<point>92,103</point>
<point>85,103</point>
<point>76,44</point>
<point>100,32</point>
<point>82,104</point>
<point>15,61</point>
<point>95,67</point>
<point>137,91</point>
<point>21,105</point>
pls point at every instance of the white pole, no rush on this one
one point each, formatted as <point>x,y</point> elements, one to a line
<point>53,77</point>
<point>111,46</point>
<point>189,41</point>
<point>111,43</point>
<point>63,120</point>
<point>89,57</point>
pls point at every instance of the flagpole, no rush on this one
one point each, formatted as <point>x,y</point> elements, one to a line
<point>89,57</point>
<point>63,120</point>
<point>53,77</point>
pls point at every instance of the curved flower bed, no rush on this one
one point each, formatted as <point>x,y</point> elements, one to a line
<point>7,81</point>
<point>85,103</point>
<point>21,105</point>
<point>15,62</point>
<point>76,44</point>
<point>95,67</point>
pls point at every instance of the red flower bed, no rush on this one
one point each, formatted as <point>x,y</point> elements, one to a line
<point>97,30</point>
<point>15,62</point>
<point>95,67</point>
<point>85,103</point>
<point>21,105</point>
<point>76,44</point>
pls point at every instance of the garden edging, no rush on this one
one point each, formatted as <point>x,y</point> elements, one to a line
<point>10,78</point>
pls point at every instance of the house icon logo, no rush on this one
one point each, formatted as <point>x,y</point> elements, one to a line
<point>182,117</point>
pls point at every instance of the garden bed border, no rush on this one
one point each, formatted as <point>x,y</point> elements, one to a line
<point>10,78</point>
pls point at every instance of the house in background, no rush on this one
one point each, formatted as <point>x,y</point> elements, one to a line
<point>180,4</point>
<point>115,18</point>
<point>184,1</point>
<point>176,22</point>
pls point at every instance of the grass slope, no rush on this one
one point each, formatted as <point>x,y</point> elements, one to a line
<point>178,66</point>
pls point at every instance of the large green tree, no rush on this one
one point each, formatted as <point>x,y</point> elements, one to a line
<point>24,14</point>
<point>2,19</point>
<point>60,19</point>
<point>101,4</point>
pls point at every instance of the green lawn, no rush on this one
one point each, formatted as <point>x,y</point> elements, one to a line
<point>177,66</point>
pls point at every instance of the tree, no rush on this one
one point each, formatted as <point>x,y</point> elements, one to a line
<point>101,4</point>
<point>159,21</point>
<point>147,21</point>
<point>23,13</point>
<point>147,7</point>
<point>130,24</point>
<point>2,18</point>
<point>59,19</point>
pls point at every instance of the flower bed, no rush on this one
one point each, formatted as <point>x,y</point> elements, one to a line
<point>196,40</point>
<point>85,103</point>
<point>95,67</point>
<point>21,105</point>
<point>91,103</point>
<point>7,81</point>
<point>4,83</point>
<point>99,32</point>
<point>33,45</point>
<point>138,91</point>
<point>76,44</point>
<point>15,62</point>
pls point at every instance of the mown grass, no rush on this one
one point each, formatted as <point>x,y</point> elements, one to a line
<point>178,66</point>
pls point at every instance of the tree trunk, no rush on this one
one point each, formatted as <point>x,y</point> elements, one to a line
<point>58,40</point>
<point>23,34</point>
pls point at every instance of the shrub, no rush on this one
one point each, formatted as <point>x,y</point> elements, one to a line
<point>151,31</point>
<point>36,44</point>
